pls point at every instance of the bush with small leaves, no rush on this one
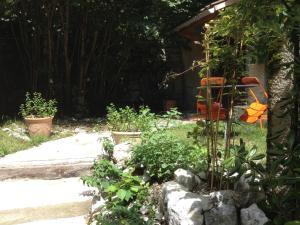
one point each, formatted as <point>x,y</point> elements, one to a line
<point>161,154</point>
<point>127,119</point>
<point>36,106</point>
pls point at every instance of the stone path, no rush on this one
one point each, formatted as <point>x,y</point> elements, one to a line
<point>42,186</point>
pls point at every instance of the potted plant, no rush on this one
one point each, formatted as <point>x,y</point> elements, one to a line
<point>38,114</point>
<point>168,92</point>
<point>128,123</point>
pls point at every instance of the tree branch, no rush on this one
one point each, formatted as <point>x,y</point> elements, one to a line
<point>286,5</point>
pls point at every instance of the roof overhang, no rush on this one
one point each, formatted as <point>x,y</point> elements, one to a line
<point>192,28</point>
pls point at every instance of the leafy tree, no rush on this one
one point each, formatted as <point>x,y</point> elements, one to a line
<point>269,31</point>
<point>76,50</point>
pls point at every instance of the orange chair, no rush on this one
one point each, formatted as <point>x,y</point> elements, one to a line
<point>217,110</point>
<point>256,110</point>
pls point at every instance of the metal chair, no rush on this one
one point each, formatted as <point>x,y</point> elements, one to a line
<point>257,111</point>
<point>217,112</point>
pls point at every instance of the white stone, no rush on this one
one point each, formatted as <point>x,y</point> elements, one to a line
<point>222,197</point>
<point>224,211</point>
<point>247,194</point>
<point>97,205</point>
<point>17,133</point>
<point>202,175</point>
<point>20,136</point>
<point>181,207</point>
<point>122,153</point>
<point>253,216</point>
<point>79,130</point>
<point>222,214</point>
<point>186,178</point>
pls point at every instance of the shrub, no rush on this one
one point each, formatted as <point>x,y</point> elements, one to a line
<point>36,106</point>
<point>119,187</point>
<point>108,147</point>
<point>124,193</point>
<point>121,216</point>
<point>127,119</point>
<point>161,154</point>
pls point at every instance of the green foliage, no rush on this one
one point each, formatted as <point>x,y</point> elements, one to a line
<point>124,193</point>
<point>37,140</point>
<point>161,154</point>
<point>127,119</point>
<point>108,147</point>
<point>104,173</point>
<point>282,182</point>
<point>296,222</point>
<point>121,42</point>
<point>167,119</point>
<point>226,41</point>
<point>120,188</point>
<point>121,215</point>
<point>277,23</point>
<point>3,151</point>
<point>241,161</point>
<point>36,106</point>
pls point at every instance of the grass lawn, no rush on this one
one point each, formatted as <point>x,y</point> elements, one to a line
<point>251,134</point>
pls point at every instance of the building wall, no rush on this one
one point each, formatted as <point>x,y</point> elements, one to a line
<point>258,70</point>
<point>191,80</point>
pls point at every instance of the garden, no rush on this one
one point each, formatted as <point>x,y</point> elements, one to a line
<point>217,179</point>
<point>220,166</point>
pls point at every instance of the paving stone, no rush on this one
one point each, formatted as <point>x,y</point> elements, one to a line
<point>67,157</point>
<point>30,200</point>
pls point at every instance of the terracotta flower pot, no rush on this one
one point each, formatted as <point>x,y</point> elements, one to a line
<point>39,126</point>
<point>168,104</point>
<point>118,136</point>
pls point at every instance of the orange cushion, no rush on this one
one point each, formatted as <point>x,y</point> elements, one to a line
<point>254,112</point>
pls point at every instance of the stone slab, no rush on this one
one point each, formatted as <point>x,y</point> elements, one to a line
<point>31,200</point>
<point>67,157</point>
<point>80,220</point>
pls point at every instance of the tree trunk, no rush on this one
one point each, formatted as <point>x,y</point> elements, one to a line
<point>280,86</point>
<point>67,81</point>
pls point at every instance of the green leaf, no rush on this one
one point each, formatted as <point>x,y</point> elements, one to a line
<point>258,157</point>
<point>124,194</point>
<point>111,189</point>
<point>135,188</point>
<point>229,161</point>
<point>164,166</point>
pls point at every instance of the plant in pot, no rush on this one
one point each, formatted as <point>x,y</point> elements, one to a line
<point>38,114</point>
<point>128,123</point>
<point>168,90</point>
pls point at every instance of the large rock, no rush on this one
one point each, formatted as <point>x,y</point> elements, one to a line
<point>224,211</point>
<point>246,194</point>
<point>253,216</point>
<point>181,207</point>
<point>222,197</point>
<point>187,179</point>
<point>122,153</point>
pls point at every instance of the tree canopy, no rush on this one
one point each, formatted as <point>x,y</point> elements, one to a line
<point>87,53</point>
